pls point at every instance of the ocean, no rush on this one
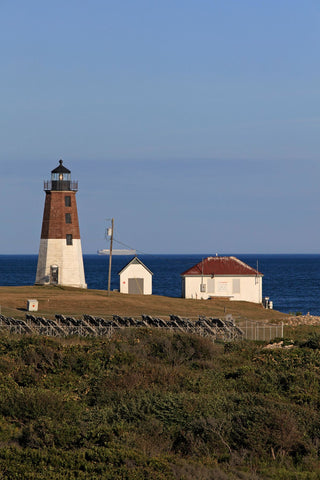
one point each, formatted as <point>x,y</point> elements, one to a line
<point>291,281</point>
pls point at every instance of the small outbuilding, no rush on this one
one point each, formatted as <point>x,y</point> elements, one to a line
<point>136,278</point>
<point>222,277</point>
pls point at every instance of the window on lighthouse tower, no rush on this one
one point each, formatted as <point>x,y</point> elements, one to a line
<point>69,239</point>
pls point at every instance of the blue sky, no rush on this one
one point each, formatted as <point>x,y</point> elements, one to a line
<point>195,124</point>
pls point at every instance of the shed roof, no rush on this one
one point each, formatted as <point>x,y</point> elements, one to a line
<point>134,261</point>
<point>221,266</point>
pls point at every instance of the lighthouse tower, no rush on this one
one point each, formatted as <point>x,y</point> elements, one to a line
<point>60,255</point>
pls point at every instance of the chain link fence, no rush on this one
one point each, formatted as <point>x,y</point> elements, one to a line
<point>260,331</point>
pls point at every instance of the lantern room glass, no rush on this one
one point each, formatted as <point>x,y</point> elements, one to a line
<point>59,177</point>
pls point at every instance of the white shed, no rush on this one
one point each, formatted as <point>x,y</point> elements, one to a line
<point>136,278</point>
<point>222,277</point>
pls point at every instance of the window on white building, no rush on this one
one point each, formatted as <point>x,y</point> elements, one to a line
<point>236,285</point>
<point>210,285</point>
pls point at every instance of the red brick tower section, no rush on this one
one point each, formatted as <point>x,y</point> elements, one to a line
<point>60,216</point>
<point>60,259</point>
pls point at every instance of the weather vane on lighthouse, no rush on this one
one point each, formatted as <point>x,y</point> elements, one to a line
<point>60,259</point>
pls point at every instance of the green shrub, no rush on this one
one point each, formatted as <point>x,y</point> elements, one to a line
<point>312,342</point>
<point>155,405</point>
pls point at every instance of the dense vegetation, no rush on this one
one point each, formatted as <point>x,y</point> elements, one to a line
<point>153,405</point>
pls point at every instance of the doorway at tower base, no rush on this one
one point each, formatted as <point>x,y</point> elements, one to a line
<point>60,264</point>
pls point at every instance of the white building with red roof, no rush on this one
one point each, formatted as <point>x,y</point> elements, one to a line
<point>222,277</point>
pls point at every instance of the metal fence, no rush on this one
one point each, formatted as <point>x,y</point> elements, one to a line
<point>260,331</point>
<point>214,328</point>
<point>223,329</point>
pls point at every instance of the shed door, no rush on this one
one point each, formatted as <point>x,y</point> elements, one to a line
<point>135,285</point>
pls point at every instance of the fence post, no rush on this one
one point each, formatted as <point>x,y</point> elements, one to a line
<point>270,333</point>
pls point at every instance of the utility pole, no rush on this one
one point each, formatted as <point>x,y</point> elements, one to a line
<point>110,255</point>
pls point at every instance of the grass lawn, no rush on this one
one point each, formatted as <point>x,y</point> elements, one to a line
<point>76,302</point>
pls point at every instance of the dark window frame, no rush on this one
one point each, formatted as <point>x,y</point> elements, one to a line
<point>69,239</point>
<point>67,201</point>
<point>68,218</point>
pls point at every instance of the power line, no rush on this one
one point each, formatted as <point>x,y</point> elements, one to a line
<point>124,244</point>
<point>130,247</point>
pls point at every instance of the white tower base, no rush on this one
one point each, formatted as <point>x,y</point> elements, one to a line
<point>60,264</point>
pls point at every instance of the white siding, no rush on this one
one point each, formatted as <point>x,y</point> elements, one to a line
<point>246,287</point>
<point>68,259</point>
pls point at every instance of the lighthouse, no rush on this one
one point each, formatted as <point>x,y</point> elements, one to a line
<point>60,259</point>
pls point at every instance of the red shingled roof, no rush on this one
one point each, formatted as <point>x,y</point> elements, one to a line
<point>221,266</point>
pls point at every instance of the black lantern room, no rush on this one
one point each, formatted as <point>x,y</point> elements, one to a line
<point>61,179</point>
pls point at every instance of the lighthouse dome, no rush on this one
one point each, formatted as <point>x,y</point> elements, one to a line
<point>61,169</point>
